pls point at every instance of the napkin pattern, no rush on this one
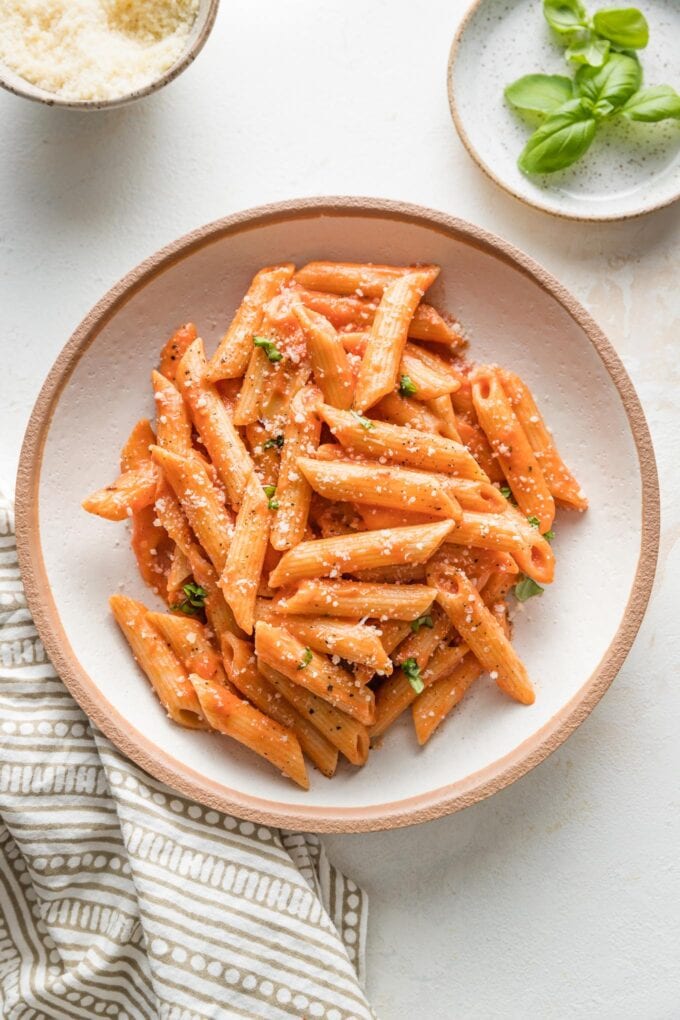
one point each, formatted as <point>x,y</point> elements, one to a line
<point>121,899</point>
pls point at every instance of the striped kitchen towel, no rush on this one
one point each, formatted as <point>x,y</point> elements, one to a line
<point>120,898</point>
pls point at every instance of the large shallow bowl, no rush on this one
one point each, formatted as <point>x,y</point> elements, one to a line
<point>573,639</point>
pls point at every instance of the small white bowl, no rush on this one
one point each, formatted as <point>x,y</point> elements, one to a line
<point>200,30</point>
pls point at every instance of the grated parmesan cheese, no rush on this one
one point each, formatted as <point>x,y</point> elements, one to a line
<point>93,49</point>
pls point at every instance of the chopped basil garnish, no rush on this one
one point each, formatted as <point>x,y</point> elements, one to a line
<point>306,659</point>
<point>422,621</point>
<point>365,423</point>
<point>411,671</point>
<point>194,600</point>
<point>407,387</point>
<point>269,348</point>
<point>270,493</point>
<point>275,443</point>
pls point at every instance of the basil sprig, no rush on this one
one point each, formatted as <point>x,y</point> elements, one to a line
<point>607,84</point>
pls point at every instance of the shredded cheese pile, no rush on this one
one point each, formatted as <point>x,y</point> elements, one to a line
<point>93,49</point>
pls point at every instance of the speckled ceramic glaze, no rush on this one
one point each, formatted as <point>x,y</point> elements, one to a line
<point>573,639</point>
<point>630,169</point>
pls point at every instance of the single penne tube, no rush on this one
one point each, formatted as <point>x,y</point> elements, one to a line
<point>171,517</point>
<point>234,350</point>
<point>257,382</point>
<point>189,641</point>
<point>347,734</point>
<point>293,492</point>
<point>361,279</point>
<point>392,487</point>
<point>478,497</point>
<point>218,611</point>
<point>152,548</point>
<point>213,423</point>
<point>484,636</point>
<point>474,439</point>
<point>400,445</point>
<point>173,351</point>
<point>402,573</point>
<point>244,723</point>
<point>240,579</point>
<point>344,311</point>
<point>354,642</point>
<point>132,491</point>
<point>137,445</point>
<point>241,668</point>
<point>173,425</point>
<point>332,372</point>
<point>562,484</point>
<point>397,410</point>
<point>377,517</point>
<point>436,702</point>
<point>265,451</point>
<point>361,551</point>
<point>507,533</point>
<point>159,662</point>
<point>512,448</point>
<point>442,408</point>
<point>200,501</point>
<point>379,369</point>
<point>316,673</point>
<point>357,599</point>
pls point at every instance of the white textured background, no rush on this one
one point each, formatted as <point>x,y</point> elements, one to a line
<point>560,897</point>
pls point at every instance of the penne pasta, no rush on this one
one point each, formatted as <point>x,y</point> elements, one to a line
<point>507,533</point>
<point>240,665</point>
<point>398,445</point>
<point>278,649</point>
<point>205,512</point>
<point>239,720</point>
<point>132,491</point>
<point>442,409</point>
<point>562,484</point>
<point>179,572</point>
<point>391,487</point>
<point>214,425</point>
<point>347,553</point>
<point>293,494</point>
<point>398,410</point>
<point>484,636</point>
<point>379,367</point>
<point>189,641</point>
<point>423,377</point>
<point>173,426</point>
<point>511,447</point>
<point>357,599</point>
<point>347,734</point>
<point>152,548</point>
<point>173,352</point>
<point>331,369</point>
<point>436,702</point>
<point>159,662</point>
<point>136,448</point>
<point>240,578</point>
<point>362,279</point>
<point>233,353</point>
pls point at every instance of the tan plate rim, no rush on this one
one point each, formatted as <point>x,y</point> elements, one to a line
<point>536,204</point>
<point>38,95</point>
<point>136,745</point>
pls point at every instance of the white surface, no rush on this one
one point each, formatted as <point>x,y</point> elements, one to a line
<point>509,319</point>
<point>629,168</point>
<point>559,897</point>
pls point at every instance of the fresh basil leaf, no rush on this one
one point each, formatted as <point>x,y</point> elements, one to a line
<point>616,81</point>
<point>603,109</point>
<point>534,522</point>
<point>661,102</point>
<point>549,535</point>
<point>539,93</point>
<point>624,26</point>
<point>589,50</point>
<point>275,443</point>
<point>564,137</point>
<point>365,423</point>
<point>411,671</point>
<point>526,589</point>
<point>565,15</point>
<point>194,599</point>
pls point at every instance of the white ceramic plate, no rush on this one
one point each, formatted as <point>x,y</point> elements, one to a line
<point>630,169</point>
<point>573,639</point>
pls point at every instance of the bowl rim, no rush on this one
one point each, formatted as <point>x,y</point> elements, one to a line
<point>489,172</point>
<point>138,747</point>
<point>33,92</point>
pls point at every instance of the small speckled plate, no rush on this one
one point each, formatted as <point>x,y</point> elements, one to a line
<point>630,169</point>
